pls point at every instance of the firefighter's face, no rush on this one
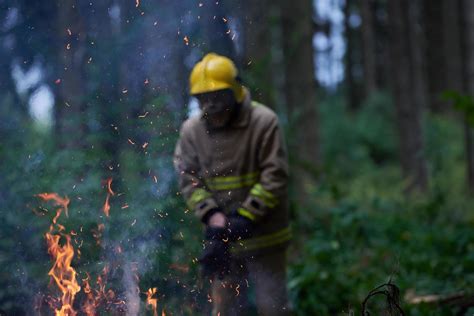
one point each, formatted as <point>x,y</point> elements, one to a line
<point>217,106</point>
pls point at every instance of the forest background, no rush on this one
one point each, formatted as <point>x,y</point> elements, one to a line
<point>375,98</point>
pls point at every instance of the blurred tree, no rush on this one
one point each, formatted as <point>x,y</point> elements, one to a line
<point>300,90</point>
<point>405,69</point>
<point>451,46</point>
<point>467,29</point>
<point>70,107</point>
<point>215,30</point>
<point>435,54</point>
<point>368,47</point>
<point>350,80</point>
<point>256,56</point>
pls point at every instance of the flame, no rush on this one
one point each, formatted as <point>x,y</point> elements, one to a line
<point>153,302</point>
<point>63,203</point>
<point>110,193</point>
<point>62,272</point>
<point>90,305</point>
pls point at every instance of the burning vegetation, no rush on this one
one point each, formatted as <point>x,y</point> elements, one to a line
<point>94,297</point>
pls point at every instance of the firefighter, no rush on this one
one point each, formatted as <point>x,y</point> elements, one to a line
<point>233,172</point>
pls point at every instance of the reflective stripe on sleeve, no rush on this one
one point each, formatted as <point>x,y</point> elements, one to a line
<point>197,196</point>
<point>267,197</point>
<point>243,212</point>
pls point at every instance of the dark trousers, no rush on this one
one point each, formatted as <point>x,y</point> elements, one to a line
<point>266,273</point>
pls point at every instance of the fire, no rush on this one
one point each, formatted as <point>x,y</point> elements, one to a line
<point>110,193</point>
<point>62,272</point>
<point>153,302</point>
<point>64,276</point>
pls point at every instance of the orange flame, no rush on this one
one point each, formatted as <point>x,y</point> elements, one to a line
<point>89,306</point>
<point>62,273</point>
<point>110,193</point>
<point>153,302</point>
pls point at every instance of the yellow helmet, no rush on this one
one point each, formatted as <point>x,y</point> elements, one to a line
<point>215,72</point>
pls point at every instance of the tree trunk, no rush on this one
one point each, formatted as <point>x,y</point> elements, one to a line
<point>215,29</point>
<point>256,55</point>
<point>403,83</point>
<point>467,30</point>
<point>349,60</point>
<point>452,46</point>
<point>70,106</point>
<point>300,89</point>
<point>417,44</point>
<point>368,47</point>
<point>435,57</point>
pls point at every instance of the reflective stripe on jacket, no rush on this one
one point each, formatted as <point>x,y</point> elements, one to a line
<point>240,167</point>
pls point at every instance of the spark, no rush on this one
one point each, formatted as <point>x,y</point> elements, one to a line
<point>57,81</point>
<point>186,40</point>
<point>155,179</point>
<point>237,290</point>
<point>134,222</point>
<point>146,81</point>
<point>143,115</point>
<point>124,91</point>
<point>68,46</point>
<point>144,145</point>
<point>137,3</point>
<point>69,32</point>
<point>130,141</point>
<point>125,206</point>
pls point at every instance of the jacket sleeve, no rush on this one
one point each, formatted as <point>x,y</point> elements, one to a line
<point>191,184</point>
<point>272,160</point>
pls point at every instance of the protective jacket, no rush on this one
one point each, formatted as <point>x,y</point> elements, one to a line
<point>243,167</point>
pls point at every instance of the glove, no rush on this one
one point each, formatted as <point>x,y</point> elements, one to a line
<point>215,259</point>
<point>239,227</point>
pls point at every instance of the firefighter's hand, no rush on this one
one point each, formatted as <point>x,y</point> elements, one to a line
<point>239,227</point>
<point>217,219</point>
<point>215,259</point>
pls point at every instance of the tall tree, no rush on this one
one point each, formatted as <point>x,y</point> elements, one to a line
<point>256,55</point>
<point>453,68</point>
<point>215,31</point>
<point>350,81</point>
<point>70,106</point>
<point>467,31</point>
<point>368,47</point>
<point>300,87</point>
<point>404,70</point>
<point>435,55</point>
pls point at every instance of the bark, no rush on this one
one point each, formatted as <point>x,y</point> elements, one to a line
<point>256,55</point>
<point>70,107</point>
<point>382,52</point>
<point>368,47</point>
<point>408,109</point>
<point>467,27</point>
<point>215,29</point>
<point>417,44</point>
<point>435,57</point>
<point>349,60</point>
<point>452,46</point>
<point>300,88</point>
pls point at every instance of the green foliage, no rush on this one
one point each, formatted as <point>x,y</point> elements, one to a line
<point>462,103</point>
<point>362,229</point>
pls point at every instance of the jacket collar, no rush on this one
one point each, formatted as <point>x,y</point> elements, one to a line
<point>243,116</point>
